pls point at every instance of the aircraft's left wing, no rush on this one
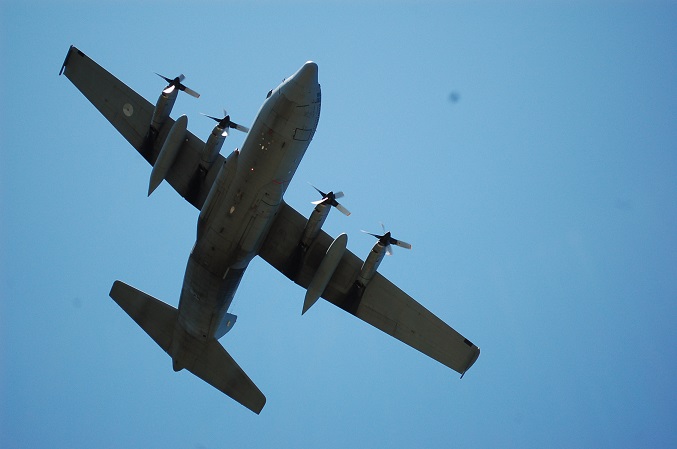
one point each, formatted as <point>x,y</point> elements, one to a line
<point>383,304</point>
<point>131,115</point>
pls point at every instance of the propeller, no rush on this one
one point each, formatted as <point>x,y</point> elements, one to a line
<point>225,123</point>
<point>176,84</point>
<point>386,240</point>
<point>330,198</point>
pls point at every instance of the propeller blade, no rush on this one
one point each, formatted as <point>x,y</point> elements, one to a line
<point>213,118</point>
<point>389,250</point>
<point>244,129</point>
<point>338,195</point>
<point>182,77</point>
<point>169,81</point>
<point>318,191</point>
<point>169,89</point>
<point>401,244</point>
<point>189,91</point>
<point>343,210</point>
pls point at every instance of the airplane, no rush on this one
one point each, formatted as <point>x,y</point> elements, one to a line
<point>242,214</point>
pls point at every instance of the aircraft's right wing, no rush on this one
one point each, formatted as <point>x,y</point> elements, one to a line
<point>383,304</point>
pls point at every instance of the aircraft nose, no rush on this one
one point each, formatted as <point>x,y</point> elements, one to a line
<point>306,75</point>
<point>302,87</point>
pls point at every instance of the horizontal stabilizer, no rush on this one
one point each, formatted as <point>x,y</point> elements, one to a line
<point>216,367</point>
<point>209,361</point>
<point>154,316</point>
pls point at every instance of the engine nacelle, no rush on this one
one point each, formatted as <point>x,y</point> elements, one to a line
<point>372,263</point>
<point>163,108</point>
<point>314,225</point>
<point>213,147</point>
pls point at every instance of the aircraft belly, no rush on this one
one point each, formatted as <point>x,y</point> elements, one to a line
<point>266,164</point>
<point>239,223</point>
<point>234,235</point>
<point>263,210</point>
<point>205,298</point>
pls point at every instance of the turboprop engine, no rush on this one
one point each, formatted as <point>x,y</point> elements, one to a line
<point>165,102</point>
<point>311,231</point>
<point>217,137</point>
<point>319,215</point>
<point>381,248</point>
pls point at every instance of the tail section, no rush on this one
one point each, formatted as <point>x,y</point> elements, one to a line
<point>207,360</point>
<point>154,316</point>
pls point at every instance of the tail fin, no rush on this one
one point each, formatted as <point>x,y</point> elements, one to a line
<point>154,316</point>
<point>209,361</point>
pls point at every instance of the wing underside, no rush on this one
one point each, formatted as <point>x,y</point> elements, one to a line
<point>131,115</point>
<point>383,304</point>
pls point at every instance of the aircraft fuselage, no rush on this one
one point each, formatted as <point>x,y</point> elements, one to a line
<point>233,229</point>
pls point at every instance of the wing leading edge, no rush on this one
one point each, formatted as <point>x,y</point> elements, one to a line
<point>383,304</point>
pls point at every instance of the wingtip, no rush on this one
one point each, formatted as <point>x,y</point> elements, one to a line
<point>116,285</point>
<point>65,61</point>
<point>473,359</point>
<point>155,181</point>
<point>258,409</point>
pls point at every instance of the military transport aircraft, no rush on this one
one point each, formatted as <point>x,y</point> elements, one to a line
<point>242,215</point>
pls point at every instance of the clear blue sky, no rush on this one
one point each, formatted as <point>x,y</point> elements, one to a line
<point>542,206</point>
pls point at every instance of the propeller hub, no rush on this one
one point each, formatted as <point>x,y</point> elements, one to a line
<point>330,199</point>
<point>226,123</point>
<point>386,239</point>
